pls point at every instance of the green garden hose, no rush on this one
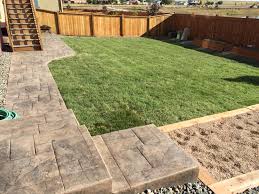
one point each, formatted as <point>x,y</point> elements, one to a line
<point>7,115</point>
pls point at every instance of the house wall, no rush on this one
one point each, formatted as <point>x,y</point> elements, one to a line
<point>2,14</point>
<point>51,5</point>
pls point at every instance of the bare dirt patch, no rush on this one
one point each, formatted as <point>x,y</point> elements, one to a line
<point>227,148</point>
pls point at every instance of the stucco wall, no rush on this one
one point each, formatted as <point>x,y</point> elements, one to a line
<point>52,5</point>
<point>2,15</point>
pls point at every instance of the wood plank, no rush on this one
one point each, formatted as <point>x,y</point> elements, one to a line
<point>47,18</point>
<point>7,24</point>
<point>220,190</point>
<point>205,119</point>
<point>237,184</point>
<point>226,29</point>
<point>122,25</point>
<point>107,26</point>
<point>36,24</point>
<point>206,177</point>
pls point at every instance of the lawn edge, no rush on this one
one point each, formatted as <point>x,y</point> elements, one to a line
<point>210,118</point>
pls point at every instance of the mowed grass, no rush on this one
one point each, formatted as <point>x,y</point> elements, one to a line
<point>118,83</point>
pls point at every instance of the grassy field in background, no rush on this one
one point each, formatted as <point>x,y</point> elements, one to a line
<point>220,12</point>
<point>227,9</point>
<point>117,83</point>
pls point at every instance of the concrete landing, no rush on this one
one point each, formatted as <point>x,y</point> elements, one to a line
<point>144,158</point>
<point>47,151</point>
<point>62,159</point>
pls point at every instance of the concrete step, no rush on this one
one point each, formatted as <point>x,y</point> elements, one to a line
<point>144,158</point>
<point>80,164</point>
<point>60,161</point>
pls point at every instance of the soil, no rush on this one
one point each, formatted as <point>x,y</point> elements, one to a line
<point>227,147</point>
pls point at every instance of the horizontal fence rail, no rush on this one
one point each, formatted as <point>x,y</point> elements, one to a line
<point>236,31</point>
<point>80,24</point>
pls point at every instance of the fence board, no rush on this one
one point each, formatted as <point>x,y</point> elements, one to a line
<point>106,26</point>
<point>159,25</point>
<point>74,25</point>
<point>135,26</point>
<point>236,31</point>
<point>47,18</point>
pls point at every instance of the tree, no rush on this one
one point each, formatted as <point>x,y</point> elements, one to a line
<point>153,9</point>
<point>216,4</point>
<point>209,3</point>
<point>167,2</point>
<point>123,1</point>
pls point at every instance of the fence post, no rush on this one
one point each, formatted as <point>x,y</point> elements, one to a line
<point>148,25</point>
<point>57,22</point>
<point>122,25</point>
<point>92,25</point>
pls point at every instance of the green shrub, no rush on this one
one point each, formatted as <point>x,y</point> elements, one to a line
<point>209,3</point>
<point>153,9</point>
<point>167,2</point>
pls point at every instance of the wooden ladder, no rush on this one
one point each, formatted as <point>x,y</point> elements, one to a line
<point>22,27</point>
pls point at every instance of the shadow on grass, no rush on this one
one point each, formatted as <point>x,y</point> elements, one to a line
<point>254,80</point>
<point>122,118</point>
<point>227,55</point>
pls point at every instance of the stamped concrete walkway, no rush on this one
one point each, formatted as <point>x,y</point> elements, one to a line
<point>47,151</point>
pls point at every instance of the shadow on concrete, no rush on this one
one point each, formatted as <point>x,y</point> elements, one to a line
<point>254,80</point>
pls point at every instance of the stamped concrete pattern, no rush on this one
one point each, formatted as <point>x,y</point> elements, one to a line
<point>47,151</point>
<point>144,157</point>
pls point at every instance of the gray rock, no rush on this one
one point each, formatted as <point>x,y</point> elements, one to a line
<point>5,60</point>
<point>189,188</point>
<point>251,191</point>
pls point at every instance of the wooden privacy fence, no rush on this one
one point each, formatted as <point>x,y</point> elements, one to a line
<point>78,24</point>
<point>236,31</point>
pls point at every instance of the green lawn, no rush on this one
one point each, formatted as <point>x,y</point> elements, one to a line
<point>117,83</point>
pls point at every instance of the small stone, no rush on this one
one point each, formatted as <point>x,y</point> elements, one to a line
<point>189,188</point>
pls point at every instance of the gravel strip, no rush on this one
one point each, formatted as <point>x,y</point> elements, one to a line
<point>251,191</point>
<point>5,60</point>
<point>189,188</point>
<point>192,188</point>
